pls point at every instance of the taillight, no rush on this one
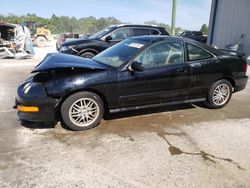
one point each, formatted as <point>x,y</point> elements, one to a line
<point>245,69</point>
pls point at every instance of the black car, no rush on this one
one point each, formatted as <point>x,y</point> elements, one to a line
<point>64,37</point>
<point>195,35</point>
<point>96,43</point>
<point>140,72</point>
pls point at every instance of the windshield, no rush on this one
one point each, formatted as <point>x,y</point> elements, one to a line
<point>101,33</point>
<point>120,53</point>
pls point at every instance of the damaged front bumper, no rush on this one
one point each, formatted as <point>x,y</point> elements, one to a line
<point>33,104</point>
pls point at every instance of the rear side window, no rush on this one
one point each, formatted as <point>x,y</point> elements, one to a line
<point>140,31</point>
<point>154,32</point>
<point>197,53</point>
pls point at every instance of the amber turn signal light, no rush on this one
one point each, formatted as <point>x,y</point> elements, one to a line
<point>27,108</point>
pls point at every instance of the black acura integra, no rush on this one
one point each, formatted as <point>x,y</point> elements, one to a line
<point>140,72</point>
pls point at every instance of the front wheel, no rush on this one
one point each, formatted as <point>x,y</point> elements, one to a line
<point>87,55</point>
<point>82,111</point>
<point>41,41</point>
<point>219,94</point>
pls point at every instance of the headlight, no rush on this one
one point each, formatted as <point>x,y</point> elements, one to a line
<point>26,88</point>
<point>64,48</point>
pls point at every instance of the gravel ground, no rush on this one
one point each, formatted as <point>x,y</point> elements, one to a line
<point>177,146</point>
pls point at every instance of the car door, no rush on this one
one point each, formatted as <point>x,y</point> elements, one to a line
<point>166,76</point>
<point>205,67</point>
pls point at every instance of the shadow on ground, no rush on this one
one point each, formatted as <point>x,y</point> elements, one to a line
<point>37,125</point>
<point>112,116</point>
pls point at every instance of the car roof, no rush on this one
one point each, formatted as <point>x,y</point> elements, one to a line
<point>149,38</point>
<point>156,38</point>
<point>137,25</point>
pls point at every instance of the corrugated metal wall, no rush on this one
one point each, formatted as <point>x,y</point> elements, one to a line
<point>232,20</point>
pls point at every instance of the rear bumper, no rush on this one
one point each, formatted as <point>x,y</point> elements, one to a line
<point>36,97</point>
<point>240,83</point>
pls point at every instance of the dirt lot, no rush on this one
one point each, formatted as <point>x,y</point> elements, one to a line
<point>177,146</point>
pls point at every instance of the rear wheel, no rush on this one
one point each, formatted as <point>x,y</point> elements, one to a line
<point>82,111</point>
<point>41,41</point>
<point>87,55</point>
<point>219,94</point>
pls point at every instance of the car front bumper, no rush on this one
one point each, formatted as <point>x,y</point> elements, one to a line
<point>35,105</point>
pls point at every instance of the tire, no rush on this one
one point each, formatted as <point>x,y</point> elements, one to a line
<point>87,55</point>
<point>41,41</point>
<point>58,46</point>
<point>219,94</point>
<point>82,111</point>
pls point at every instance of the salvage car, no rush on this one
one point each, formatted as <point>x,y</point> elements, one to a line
<point>15,41</point>
<point>96,43</point>
<point>139,72</point>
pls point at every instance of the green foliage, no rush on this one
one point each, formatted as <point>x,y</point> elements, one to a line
<point>62,24</point>
<point>153,22</point>
<point>166,26</point>
<point>204,29</point>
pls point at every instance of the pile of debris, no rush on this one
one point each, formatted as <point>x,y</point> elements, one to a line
<point>15,41</point>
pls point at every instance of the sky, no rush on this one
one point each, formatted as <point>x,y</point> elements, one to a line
<point>191,14</point>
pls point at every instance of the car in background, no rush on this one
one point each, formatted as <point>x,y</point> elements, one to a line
<point>66,37</point>
<point>96,43</point>
<point>137,73</point>
<point>195,35</point>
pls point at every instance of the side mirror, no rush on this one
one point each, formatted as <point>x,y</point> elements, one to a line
<point>108,38</point>
<point>136,66</point>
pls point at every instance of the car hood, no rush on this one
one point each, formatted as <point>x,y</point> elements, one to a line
<point>60,60</point>
<point>77,41</point>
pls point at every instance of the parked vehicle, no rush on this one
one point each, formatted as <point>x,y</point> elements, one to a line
<point>106,38</point>
<point>15,42</point>
<point>195,35</point>
<point>40,35</point>
<point>65,37</point>
<point>140,72</point>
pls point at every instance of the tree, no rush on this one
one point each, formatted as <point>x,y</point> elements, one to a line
<point>62,24</point>
<point>204,29</point>
<point>153,22</point>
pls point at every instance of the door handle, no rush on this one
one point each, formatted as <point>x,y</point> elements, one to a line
<point>181,70</point>
<point>195,65</point>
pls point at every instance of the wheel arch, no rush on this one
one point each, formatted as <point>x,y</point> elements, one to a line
<point>62,99</point>
<point>92,50</point>
<point>231,80</point>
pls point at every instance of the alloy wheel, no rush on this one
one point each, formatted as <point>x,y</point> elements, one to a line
<point>84,112</point>
<point>221,94</point>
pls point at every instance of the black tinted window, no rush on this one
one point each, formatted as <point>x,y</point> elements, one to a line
<point>197,33</point>
<point>140,31</point>
<point>197,53</point>
<point>154,32</point>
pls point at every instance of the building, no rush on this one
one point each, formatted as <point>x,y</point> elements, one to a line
<point>229,19</point>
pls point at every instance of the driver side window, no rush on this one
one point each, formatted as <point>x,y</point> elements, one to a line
<point>162,54</point>
<point>121,34</point>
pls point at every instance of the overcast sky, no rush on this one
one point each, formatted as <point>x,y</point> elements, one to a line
<point>191,14</point>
